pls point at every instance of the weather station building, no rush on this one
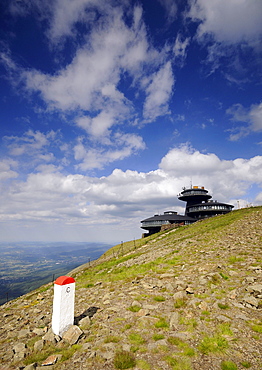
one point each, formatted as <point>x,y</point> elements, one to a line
<point>198,206</point>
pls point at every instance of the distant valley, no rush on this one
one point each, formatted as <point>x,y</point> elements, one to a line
<point>26,266</point>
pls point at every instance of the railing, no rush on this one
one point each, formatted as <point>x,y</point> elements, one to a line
<point>193,192</point>
<point>208,207</point>
<point>154,223</point>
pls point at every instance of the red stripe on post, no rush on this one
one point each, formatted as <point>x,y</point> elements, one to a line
<point>63,280</point>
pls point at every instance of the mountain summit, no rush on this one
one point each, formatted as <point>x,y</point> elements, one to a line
<point>184,299</point>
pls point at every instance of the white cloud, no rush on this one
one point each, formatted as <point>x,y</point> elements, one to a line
<point>230,21</point>
<point>159,92</point>
<point>251,116</point>
<point>120,146</point>
<point>232,32</point>
<point>180,49</point>
<point>6,171</point>
<point>88,90</point>
<point>31,143</point>
<point>123,198</point>
<point>170,7</point>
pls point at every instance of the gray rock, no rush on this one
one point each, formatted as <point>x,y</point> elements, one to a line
<point>85,322</point>
<point>179,295</point>
<point>39,345</point>
<point>223,318</point>
<point>167,276</point>
<point>39,331</point>
<point>73,334</point>
<point>23,333</point>
<point>255,288</point>
<point>86,346</point>
<point>174,321</point>
<point>252,301</point>
<point>31,366</point>
<point>19,347</point>
<point>50,337</point>
<point>136,303</point>
<point>51,360</point>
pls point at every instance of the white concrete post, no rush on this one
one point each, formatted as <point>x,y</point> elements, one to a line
<point>63,304</point>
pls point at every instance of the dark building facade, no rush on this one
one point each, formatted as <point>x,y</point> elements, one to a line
<point>167,220</point>
<point>198,206</point>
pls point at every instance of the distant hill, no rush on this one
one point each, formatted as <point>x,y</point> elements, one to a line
<point>26,266</point>
<point>185,299</point>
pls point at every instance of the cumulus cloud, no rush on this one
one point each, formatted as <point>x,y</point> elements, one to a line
<point>251,116</point>
<point>124,198</point>
<point>6,169</point>
<point>232,31</point>
<point>230,21</point>
<point>87,90</point>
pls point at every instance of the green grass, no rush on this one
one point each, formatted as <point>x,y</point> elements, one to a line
<point>157,337</point>
<point>257,327</point>
<point>189,322</point>
<point>50,349</point>
<point>213,344</point>
<point>246,364</point>
<point>161,323</point>
<point>234,259</point>
<point>143,365</point>
<point>180,302</point>
<point>124,360</point>
<point>225,329</point>
<point>134,308</point>
<point>111,339</point>
<point>136,338</point>
<point>223,306</point>
<point>159,298</point>
<point>228,365</point>
<point>178,363</point>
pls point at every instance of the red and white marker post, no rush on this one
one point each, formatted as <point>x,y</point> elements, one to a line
<point>63,304</point>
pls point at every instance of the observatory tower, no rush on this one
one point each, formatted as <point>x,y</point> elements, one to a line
<point>199,204</point>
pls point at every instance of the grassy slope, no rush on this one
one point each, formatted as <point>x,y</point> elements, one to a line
<point>133,285</point>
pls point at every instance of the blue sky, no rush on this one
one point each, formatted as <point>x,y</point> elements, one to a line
<point>108,108</point>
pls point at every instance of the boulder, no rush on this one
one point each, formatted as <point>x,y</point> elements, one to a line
<point>73,334</point>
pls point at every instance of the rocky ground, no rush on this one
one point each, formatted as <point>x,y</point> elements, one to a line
<point>185,299</point>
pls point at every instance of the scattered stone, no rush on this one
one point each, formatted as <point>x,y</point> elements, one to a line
<point>255,289</point>
<point>167,276</point>
<point>142,312</point>
<point>39,331</point>
<point>203,306</point>
<point>73,334</point>
<point>251,300</point>
<point>189,290</point>
<point>23,333</point>
<point>31,366</point>
<point>242,317</point>
<point>174,321</point>
<point>179,295</point>
<point>85,322</point>
<point>223,318</point>
<point>50,337</point>
<point>51,360</point>
<point>86,346</point>
<point>39,345</point>
<point>136,303</point>
<point>19,347</point>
